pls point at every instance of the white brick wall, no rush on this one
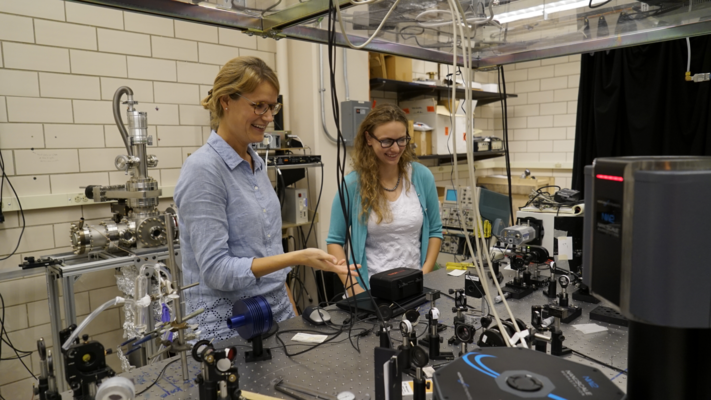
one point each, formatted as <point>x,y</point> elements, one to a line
<point>60,64</point>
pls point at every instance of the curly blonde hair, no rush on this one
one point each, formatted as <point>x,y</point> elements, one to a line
<point>365,162</point>
<point>239,75</point>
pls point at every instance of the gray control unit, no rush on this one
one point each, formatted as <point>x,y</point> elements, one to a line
<point>352,114</point>
<point>646,222</point>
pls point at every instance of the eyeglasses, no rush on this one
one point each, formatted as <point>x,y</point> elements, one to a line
<point>387,143</point>
<point>261,107</point>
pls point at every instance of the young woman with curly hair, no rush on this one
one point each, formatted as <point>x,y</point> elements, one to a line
<point>392,203</point>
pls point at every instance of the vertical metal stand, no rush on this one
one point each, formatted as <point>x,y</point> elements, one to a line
<point>177,284</point>
<point>70,313</point>
<point>55,320</point>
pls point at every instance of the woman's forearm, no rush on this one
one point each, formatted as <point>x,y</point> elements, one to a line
<point>351,285</point>
<point>432,252</point>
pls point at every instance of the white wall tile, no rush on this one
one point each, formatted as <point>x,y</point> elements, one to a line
<point>540,97</point>
<point>540,146</point>
<point>565,120</point>
<point>572,68</point>
<point>39,58</point>
<point>563,145</point>
<point>174,49</point>
<point>553,134</point>
<point>527,111</point>
<point>52,216</point>
<point>168,157</point>
<point>268,58</point>
<point>148,24</point>
<point>570,132</point>
<point>554,83</point>
<point>3,109</point>
<point>161,114</point>
<point>70,183</point>
<point>1,56</point>
<point>149,68</point>
<point>7,155</point>
<point>194,115</point>
<point>518,147</point>
<point>27,109</point>
<point>553,61</point>
<point>527,86</point>
<point>574,81</point>
<point>572,107</point>
<point>193,31</point>
<point>93,112</point>
<point>528,64</point>
<point>62,239</point>
<point>553,157</point>
<point>112,41</point>
<point>99,159</point>
<point>172,136</point>
<point>16,29</point>
<point>21,136</point>
<point>46,162</point>
<point>93,63</point>
<point>65,35</point>
<point>554,108</point>
<point>206,131</point>
<point>142,90</point>
<point>540,122</point>
<point>566,95</point>
<point>19,83</point>
<point>541,72</point>
<point>73,136</point>
<point>513,101</point>
<point>69,86</point>
<point>237,38</point>
<point>266,44</point>
<point>169,177</point>
<point>526,157</point>
<point>525,134</point>
<point>28,185</point>
<point>48,9</point>
<point>203,91</point>
<point>516,75</point>
<point>94,15</point>
<point>197,73</point>
<point>216,54</point>
<point>176,93</point>
<point>570,157</point>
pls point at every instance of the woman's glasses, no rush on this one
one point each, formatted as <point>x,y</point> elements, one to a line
<point>262,107</point>
<point>386,143</point>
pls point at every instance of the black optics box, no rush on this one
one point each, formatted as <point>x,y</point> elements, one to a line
<point>396,284</point>
<point>296,159</point>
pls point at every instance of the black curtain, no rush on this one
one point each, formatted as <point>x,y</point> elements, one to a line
<point>635,102</point>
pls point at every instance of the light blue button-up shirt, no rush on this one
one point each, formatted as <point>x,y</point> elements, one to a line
<point>228,215</point>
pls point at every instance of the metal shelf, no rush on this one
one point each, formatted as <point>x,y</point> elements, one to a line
<point>296,166</point>
<point>478,155</point>
<point>408,90</point>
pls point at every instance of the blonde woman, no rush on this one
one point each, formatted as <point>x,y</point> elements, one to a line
<point>393,209</point>
<point>230,217</point>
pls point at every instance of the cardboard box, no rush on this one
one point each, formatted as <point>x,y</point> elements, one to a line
<point>520,188</point>
<point>436,116</point>
<point>399,68</point>
<point>376,63</point>
<point>423,142</point>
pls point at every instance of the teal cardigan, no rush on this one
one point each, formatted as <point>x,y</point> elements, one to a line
<point>424,183</point>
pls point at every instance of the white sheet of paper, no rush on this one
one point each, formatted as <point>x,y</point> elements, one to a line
<point>565,248</point>
<point>307,338</point>
<point>589,328</point>
<point>456,272</point>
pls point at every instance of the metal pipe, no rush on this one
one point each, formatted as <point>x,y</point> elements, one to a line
<point>345,73</point>
<point>70,314</point>
<point>177,281</point>
<point>117,113</point>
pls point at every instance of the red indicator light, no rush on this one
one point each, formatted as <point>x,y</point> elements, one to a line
<point>610,178</point>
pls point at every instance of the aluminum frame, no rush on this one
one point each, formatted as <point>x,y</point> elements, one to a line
<point>286,24</point>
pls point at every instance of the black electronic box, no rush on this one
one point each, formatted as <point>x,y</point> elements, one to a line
<point>296,159</point>
<point>396,284</point>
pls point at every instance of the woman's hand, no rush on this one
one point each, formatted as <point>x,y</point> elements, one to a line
<point>319,259</point>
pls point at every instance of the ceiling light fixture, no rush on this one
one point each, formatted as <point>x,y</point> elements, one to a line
<point>543,10</point>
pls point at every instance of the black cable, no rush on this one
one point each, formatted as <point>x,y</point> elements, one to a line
<point>505,126</point>
<point>157,378</point>
<point>599,362</point>
<point>599,5</point>
<point>8,341</point>
<point>4,177</point>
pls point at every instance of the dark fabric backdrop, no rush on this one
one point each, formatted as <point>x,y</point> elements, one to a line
<point>635,102</point>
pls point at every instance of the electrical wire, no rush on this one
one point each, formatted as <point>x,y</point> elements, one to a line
<point>3,178</point>
<point>157,378</point>
<point>624,372</point>
<point>7,340</point>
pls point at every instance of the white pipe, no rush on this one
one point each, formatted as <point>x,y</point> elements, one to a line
<point>688,63</point>
<point>94,314</point>
<point>282,66</point>
<point>321,90</point>
<point>345,73</point>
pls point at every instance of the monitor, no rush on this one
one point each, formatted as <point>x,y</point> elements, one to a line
<point>451,195</point>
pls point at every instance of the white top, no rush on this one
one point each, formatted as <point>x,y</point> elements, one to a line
<point>397,243</point>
